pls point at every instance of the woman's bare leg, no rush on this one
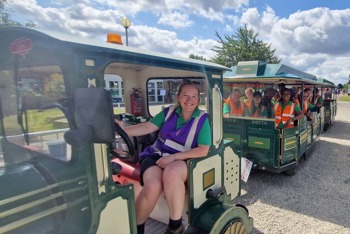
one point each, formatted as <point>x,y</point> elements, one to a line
<point>174,178</point>
<point>147,198</point>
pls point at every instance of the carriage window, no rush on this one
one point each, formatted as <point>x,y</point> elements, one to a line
<point>115,85</point>
<point>248,100</point>
<point>162,92</point>
<point>30,118</point>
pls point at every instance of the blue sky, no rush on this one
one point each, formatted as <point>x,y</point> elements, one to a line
<point>310,35</point>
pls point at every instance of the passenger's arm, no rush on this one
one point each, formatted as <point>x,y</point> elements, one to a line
<point>299,115</point>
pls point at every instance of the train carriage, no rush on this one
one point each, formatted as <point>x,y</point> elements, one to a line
<point>256,138</point>
<point>328,89</point>
<point>59,97</point>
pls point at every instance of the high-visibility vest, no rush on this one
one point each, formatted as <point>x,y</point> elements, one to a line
<point>256,114</point>
<point>306,106</point>
<point>171,140</point>
<point>296,101</point>
<point>234,110</point>
<point>284,116</point>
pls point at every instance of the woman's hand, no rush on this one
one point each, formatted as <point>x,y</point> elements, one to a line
<point>164,161</point>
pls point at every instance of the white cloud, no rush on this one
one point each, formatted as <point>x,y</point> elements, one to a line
<point>167,42</point>
<point>176,19</point>
<point>316,41</point>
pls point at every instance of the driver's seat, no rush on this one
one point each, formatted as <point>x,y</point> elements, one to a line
<point>123,170</point>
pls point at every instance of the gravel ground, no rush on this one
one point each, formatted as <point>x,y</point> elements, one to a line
<point>317,198</point>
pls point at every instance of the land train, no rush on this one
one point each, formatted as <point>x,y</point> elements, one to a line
<point>59,99</point>
<point>256,138</point>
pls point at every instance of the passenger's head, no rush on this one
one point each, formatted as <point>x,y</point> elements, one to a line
<point>286,94</point>
<point>308,92</point>
<point>249,93</point>
<point>276,94</point>
<point>281,86</point>
<point>305,95</point>
<point>268,93</point>
<point>257,98</point>
<point>236,94</point>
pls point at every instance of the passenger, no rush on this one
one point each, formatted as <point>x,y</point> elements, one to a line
<point>281,86</point>
<point>233,106</point>
<point>317,99</point>
<point>296,99</point>
<point>286,112</point>
<point>267,101</point>
<point>309,94</point>
<point>328,94</point>
<point>256,108</point>
<point>276,97</point>
<point>249,95</point>
<point>163,165</point>
<point>307,106</point>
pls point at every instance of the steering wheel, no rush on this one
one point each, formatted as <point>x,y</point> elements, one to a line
<point>130,153</point>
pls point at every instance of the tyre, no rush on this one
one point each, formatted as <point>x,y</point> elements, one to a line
<point>290,172</point>
<point>233,221</point>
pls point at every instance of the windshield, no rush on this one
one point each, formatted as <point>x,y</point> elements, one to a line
<point>28,92</point>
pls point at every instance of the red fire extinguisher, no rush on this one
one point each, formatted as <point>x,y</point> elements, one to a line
<point>136,102</point>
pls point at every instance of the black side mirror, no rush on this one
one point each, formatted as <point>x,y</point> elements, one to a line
<point>94,115</point>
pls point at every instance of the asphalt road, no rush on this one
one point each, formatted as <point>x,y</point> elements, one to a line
<point>317,198</point>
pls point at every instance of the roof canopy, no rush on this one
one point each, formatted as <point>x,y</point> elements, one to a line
<point>259,71</point>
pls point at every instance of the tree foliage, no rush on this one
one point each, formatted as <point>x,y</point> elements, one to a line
<point>346,86</point>
<point>243,46</point>
<point>6,18</point>
<point>193,56</point>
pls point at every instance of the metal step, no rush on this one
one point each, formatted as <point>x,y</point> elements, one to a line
<point>155,227</point>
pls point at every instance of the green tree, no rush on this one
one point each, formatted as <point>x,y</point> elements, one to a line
<point>6,19</point>
<point>243,46</point>
<point>345,86</point>
<point>193,56</point>
<point>340,86</point>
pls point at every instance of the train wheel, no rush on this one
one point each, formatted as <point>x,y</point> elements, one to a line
<point>235,227</point>
<point>233,221</point>
<point>325,127</point>
<point>290,172</point>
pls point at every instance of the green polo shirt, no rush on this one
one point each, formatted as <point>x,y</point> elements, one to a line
<point>296,109</point>
<point>319,100</point>
<point>204,136</point>
<point>310,106</point>
<point>226,109</point>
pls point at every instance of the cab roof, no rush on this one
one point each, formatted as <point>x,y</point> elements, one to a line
<point>258,71</point>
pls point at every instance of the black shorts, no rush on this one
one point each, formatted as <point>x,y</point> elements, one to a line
<point>146,162</point>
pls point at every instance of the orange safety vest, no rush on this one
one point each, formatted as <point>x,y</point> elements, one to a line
<point>284,116</point>
<point>306,106</point>
<point>296,101</point>
<point>256,114</point>
<point>233,109</point>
